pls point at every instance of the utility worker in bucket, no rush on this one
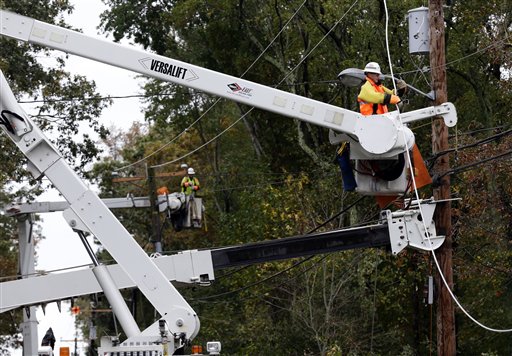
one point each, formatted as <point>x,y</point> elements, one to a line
<point>190,183</point>
<point>373,99</point>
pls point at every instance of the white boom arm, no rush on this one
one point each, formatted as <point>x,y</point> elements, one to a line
<point>190,267</point>
<point>382,135</point>
<point>87,212</point>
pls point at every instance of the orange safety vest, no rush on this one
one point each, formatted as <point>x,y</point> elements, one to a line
<point>367,108</point>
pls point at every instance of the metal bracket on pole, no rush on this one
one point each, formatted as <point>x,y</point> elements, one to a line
<point>407,228</point>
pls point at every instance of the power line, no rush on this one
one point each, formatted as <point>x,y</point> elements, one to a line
<point>142,96</point>
<point>101,98</point>
<point>315,264</point>
<point>478,143</point>
<point>238,120</point>
<point>474,164</point>
<point>481,130</point>
<point>441,274</point>
<point>428,69</point>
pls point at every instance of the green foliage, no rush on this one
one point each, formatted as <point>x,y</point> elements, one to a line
<point>63,101</point>
<point>8,268</point>
<point>483,256</point>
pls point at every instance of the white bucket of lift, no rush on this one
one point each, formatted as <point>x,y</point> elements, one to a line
<point>369,184</point>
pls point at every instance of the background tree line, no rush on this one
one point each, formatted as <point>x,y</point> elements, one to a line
<point>270,177</point>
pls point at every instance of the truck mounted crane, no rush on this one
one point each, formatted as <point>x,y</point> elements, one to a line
<point>375,137</point>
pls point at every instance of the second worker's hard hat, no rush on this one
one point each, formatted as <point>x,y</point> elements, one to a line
<point>191,171</point>
<point>372,67</point>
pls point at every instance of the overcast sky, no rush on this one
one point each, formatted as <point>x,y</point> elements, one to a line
<point>62,248</point>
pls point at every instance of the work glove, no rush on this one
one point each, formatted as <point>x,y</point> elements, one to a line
<point>186,184</point>
<point>394,99</point>
<point>401,87</point>
<point>195,187</point>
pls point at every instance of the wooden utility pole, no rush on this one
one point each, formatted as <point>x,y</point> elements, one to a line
<point>155,214</point>
<point>446,342</point>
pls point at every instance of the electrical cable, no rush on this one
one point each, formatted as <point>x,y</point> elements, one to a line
<point>204,144</point>
<point>355,260</point>
<point>482,130</point>
<point>431,160</point>
<point>474,164</point>
<point>101,98</point>
<point>454,298</point>
<point>311,231</point>
<point>266,184</point>
<point>255,283</point>
<point>428,69</point>
<point>145,96</point>
<point>245,187</point>
<point>130,96</point>
<point>43,273</point>
<point>170,142</point>
<point>477,143</point>
<point>419,71</point>
<point>351,264</point>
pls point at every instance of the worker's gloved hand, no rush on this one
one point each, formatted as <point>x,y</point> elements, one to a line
<point>196,187</point>
<point>394,99</point>
<point>401,84</point>
<point>401,87</point>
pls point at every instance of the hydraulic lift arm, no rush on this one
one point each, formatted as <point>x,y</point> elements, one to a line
<point>87,213</point>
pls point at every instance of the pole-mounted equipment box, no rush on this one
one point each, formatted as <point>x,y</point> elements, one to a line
<point>418,30</point>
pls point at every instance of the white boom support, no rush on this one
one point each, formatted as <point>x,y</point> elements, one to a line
<point>88,213</point>
<point>185,267</point>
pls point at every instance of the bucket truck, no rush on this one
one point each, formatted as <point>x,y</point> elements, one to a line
<point>375,137</point>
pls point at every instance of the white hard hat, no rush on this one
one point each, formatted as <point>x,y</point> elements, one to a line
<point>191,171</point>
<point>372,67</point>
